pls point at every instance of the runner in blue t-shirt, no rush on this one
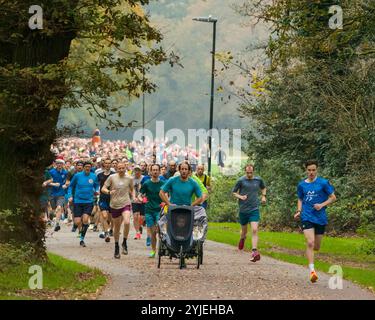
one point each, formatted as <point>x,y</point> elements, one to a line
<point>58,184</point>
<point>86,186</point>
<point>104,200</point>
<point>314,194</point>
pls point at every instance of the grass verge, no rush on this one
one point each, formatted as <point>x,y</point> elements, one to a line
<point>357,266</point>
<point>62,279</point>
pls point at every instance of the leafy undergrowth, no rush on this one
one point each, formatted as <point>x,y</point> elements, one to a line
<point>62,279</point>
<point>357,265</point>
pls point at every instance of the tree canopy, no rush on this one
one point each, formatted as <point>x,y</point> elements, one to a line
<point>87,52</point>
<point>314,99</point>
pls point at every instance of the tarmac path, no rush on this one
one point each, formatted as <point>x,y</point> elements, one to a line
<point>226,273</point>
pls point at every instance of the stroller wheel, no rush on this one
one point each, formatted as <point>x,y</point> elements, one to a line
<point>159,254</point>
<point>199,248</point>
<point>182,260</point>
<point>200,253</point>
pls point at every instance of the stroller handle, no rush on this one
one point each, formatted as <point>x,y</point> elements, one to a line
<point>166,208</point>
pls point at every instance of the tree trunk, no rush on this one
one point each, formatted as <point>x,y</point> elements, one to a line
<point>27,129</point>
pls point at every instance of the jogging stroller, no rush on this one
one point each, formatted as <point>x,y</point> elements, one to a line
<point>182,231</point>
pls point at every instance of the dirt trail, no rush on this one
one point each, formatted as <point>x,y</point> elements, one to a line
<point>225,274</point>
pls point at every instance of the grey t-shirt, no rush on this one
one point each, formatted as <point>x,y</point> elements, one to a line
<point>251,188</point>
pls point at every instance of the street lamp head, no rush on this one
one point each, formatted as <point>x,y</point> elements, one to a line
<point>205,19</point>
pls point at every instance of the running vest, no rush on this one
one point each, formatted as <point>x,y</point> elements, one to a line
<point>205,180</point>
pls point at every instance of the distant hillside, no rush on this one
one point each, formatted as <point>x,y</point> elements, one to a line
<point>182,98</point>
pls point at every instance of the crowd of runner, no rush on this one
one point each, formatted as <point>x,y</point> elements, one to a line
<point>106,183</point>
<point>161,152</point>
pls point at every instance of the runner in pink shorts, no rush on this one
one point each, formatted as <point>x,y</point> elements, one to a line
<point>121,189</point>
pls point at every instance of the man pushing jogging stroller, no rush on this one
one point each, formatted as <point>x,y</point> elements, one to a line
<point>181,190</point>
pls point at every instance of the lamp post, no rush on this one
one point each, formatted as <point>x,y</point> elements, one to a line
<point>212,20</point>
<point>143,109</point>
<point>143,116</point>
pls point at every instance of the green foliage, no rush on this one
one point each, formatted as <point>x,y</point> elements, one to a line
<point>23,231</point>
<point>281,178</point>
<point>223,206</point>
<point>369,246</point>
<point>87,52</point>
<point>347,215</point>
<point>109,51</point>
<point>352,214</point>
<point>12,256</point>
<point>318,102</point>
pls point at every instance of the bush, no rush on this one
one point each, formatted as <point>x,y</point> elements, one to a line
<point>281,205</point>
<point>12,255</point>
<point>353,214</point>
<point>273,219</point>
<point>341,219</point>
<point>368,247</point>
<point>349,214</point>
<point>223,206</point>
<point>20,228</point>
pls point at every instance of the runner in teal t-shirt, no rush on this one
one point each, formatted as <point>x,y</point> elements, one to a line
<point>181,189</point>
<point>151,189</point>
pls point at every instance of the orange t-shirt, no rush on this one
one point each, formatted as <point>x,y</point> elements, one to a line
<point>96,140</point>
